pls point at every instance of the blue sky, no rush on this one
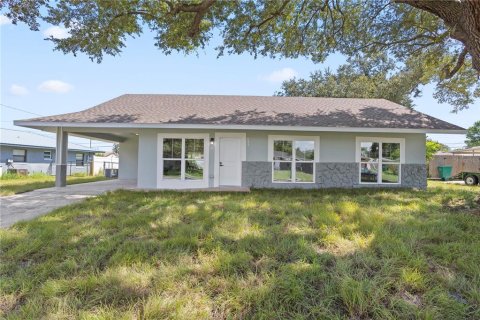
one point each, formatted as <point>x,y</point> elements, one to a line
<point>37,79</point>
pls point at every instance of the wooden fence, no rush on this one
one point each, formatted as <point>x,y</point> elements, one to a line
<point>458,162</point>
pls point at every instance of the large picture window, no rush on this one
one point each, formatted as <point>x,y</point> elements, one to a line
<point>293,159</point>
<point>380,160</point>
<point>183,158</point>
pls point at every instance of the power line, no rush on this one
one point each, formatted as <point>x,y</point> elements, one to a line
<point>19,109</point>
<point>47,136</point>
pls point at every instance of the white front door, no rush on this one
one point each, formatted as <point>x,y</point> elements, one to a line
<point>230,162</point>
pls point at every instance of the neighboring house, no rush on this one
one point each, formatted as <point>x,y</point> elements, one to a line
<point>36,153</point>
<point>195,141</point>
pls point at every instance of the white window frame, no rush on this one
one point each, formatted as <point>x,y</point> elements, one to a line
<point>380,141</point>
<point>316,155</point>
<point>82,161</point>
<point>24,155</point>
<point>50,157</point>
<point>182,182</point>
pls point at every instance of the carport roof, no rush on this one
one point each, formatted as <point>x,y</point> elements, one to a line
<point>248,111</point>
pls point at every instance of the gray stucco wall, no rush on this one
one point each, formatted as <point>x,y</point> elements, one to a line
<point>336,167</point>
<point>336,146</point>
<point>128,159</point>
<point>147,159</point>
<point>147,156</point>
<point>258,174</point>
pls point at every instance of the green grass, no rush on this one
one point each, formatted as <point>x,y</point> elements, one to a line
<point>285,175</point>
<point>291,254</point>
<point>13,184</point>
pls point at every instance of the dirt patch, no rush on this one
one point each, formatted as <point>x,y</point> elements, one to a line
<point>9,302</point>
<point>461,205</point>
<point>411,298</point>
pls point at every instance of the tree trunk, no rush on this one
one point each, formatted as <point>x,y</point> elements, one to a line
<point>462,17</point>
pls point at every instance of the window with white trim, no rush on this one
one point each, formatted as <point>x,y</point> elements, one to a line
<point>79,160</point>
<point>183,158</point>
<point>47,155</point>
<point>19,155</point>
<point>380,160</point>
<point>293,159</point>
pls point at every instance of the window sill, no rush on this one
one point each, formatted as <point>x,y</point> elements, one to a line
<point>381,183</point>
<point>288,182</point>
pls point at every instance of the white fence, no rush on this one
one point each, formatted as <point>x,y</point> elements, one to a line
<point>101,163</point>
<point>96,166</point>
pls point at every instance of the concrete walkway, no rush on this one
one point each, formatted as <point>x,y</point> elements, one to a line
<point>35,203</point>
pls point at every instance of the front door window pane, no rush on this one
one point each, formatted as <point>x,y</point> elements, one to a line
<point>391,152</point>
<point>369,172</point>
<point>369,151</point>
<point>194,169</point>
<point>304,172</point>
<point>390,173</point>
<point>194,148</point>
<point>304,150</point>
<point>282,171</point>
<point>282,150</point>
<point>172,169</point>
<point>172,148</point>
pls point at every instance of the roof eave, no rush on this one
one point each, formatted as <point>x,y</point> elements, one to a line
<point>37,124</point>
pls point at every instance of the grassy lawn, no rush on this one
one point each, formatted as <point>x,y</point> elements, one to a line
<point>327,254</point>
<point>285,175</point>
<point>9,185</point>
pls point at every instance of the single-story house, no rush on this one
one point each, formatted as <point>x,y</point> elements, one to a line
<point>35,152</point>
<point>199,141</point>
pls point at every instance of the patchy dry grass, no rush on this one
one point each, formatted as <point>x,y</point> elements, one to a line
<point>327,254</point>
<point>18,184</point>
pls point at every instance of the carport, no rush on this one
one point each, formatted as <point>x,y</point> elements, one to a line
<point>127,139</point>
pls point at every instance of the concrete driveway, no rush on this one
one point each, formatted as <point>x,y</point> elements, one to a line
<point>35,203</point>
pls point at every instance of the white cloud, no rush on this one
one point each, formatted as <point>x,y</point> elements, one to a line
<point>4,20</point>
<point>55,86</point>
<point>280,75</point>
<point>56,32</point>
<point>18,90</point>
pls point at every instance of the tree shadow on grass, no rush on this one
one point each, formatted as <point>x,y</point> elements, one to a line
<point>267,254</point>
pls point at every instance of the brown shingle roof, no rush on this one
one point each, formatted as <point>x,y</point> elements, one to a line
<point>252,110</point>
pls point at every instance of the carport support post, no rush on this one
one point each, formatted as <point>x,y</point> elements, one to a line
<point>61,158</point>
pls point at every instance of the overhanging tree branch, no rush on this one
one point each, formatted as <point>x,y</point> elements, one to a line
<point>463,19</point>
<point>274,15</point>
<point>460,61</point>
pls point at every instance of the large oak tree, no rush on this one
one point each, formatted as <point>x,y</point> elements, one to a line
<point>438,39</point>
<point>375,76</point>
